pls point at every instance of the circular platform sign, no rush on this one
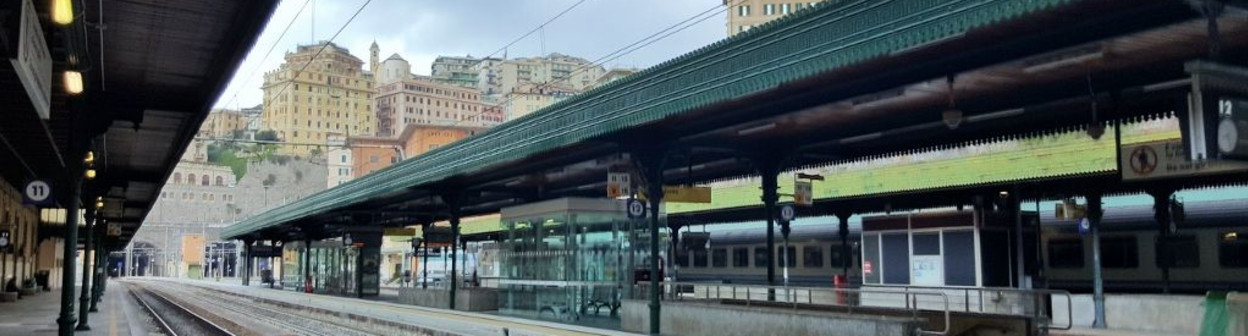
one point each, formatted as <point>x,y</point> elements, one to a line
<point>37,192</point>
<point>636,209</point>
<point>1085,225</point>
<point>787,212</point>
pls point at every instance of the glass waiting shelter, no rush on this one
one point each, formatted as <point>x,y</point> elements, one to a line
<point>569,259</point>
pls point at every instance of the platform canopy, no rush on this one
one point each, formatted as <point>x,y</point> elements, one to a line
<point>152,69</point>
<point>844,80</point>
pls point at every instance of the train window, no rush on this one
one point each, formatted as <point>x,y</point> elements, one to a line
<point>719,257</point>
<point>837,257</point>
<point>1182,252</point>
<point>761,259</point>
<point>682,257</point>
<point>1066,253</point>
<point>1120,252</point>
<point>741,257</point>
<point>788,259</point>
<point>812,256</point>
<point>699,258</point>
<point>1233,249</point>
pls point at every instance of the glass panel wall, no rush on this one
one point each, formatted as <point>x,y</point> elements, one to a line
<point>570,266</point>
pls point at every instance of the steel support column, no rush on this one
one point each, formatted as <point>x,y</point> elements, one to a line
<point>66,320</point>
<point>424,263</point>
<point>769,169</point>
<point>452,200</point>
<point>1161,213</point>
<point>843,232</point>
<point>97,264</point>
<point>1098,289</point>
<point>650,161</point>
<point>84,297</point>
<point>1016,204</point>
<point>307,265</point>
<point>247,262</point>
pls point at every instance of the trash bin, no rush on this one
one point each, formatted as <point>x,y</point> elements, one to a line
<point>41,280</point>
<point>840,282</point>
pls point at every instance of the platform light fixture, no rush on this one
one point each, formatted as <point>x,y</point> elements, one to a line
<point>73,82</point>
<point>63,12</point>
<point>99,202</point>
<point>90,159</point>
<point>90,173</point>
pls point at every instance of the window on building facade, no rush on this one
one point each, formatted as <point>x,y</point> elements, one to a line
<point>190,178</point>
<point>204,181</point>
<point>785,9</point>
<point>220,181</point>
<point>177,178</point>
<point>769,9</point>
<point>743,11</point>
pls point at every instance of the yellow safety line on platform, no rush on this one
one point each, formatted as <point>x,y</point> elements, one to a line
<point>112,318</point>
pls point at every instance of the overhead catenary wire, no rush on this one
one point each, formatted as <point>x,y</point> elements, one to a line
<point>628,49</point>
<point>318,52</point>
<point>268,53</point>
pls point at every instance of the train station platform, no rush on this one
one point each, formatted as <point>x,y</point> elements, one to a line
<point>36,315</point>
<point>452,322</point>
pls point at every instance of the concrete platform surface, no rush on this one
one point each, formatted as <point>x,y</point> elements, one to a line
<point>36,315</point>
<point>1108,332</point>
<point>451,322</point>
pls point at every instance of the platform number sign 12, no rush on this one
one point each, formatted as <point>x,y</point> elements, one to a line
<point>636,208</point>
<point>37,192</point>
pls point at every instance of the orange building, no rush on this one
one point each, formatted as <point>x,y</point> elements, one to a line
<point>373,153</point>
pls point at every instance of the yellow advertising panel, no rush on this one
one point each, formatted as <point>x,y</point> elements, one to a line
<point>193,249</point>
<point>683,194</point>
<point>399,232</point>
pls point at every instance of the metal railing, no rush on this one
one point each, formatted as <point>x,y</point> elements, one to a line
<point>1031,303</point>
<point>849,299</point>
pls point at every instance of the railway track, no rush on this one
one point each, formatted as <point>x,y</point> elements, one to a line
<point>174,319</point>
<point>286,323</point>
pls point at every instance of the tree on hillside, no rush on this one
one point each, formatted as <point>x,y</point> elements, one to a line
<point>266,135</point>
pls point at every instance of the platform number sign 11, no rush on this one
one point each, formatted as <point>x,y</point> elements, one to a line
<point>37,192</point>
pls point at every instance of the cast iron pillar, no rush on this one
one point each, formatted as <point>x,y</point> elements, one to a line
<point>1161,213</point>
<point>1098,288</point>
<point>843,232</point>
<point>84,297</point>
<point>650,162</point>
<point>452,203</point>
<point>66,320</point>
<point>769,169</point>
<point>97,284</point>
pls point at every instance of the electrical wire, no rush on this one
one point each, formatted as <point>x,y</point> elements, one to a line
<point>628,49</point>
<point>268,53</point>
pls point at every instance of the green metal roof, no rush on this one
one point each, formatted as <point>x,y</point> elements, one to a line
<point>830,36</point>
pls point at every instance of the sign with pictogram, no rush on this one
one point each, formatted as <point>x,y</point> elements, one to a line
<point>1167,159</point>
<point>803,194</point>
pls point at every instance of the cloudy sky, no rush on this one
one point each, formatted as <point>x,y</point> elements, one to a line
<point>420,30</point>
